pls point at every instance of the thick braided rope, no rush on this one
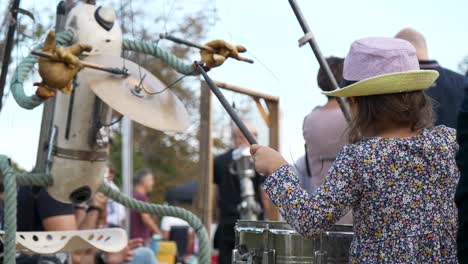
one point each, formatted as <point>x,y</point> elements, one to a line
<point>10,180</point>
<point>155,209</point>
<point>156,51</point>
<point>24,68</point>
<point>9,218</point>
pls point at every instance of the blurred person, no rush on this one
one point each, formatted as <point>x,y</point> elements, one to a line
<point>172,229</point>
<point>228,194</point>
<point>447,91</point>
<point>324,131</point>
<point>38,211</point>
<point>461,196</point>
<point>142,225</point>
<point>115,211</point>
<point>133,253</point>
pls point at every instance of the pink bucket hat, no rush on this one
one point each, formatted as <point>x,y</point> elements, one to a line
<point>378,65</point>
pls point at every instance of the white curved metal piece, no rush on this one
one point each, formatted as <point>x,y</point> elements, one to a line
<point>107,240</point>
<point>73,166</point>
<point>162,111</point>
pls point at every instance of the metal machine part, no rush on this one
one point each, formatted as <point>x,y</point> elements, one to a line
<point>80,152</point>
<point>263,242</point>
<point>243,166</point>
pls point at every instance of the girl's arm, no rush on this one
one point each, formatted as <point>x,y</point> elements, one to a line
<point>309,215</point>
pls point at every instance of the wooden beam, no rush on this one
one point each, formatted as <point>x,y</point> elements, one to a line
<point>274,142</point>
<point>246,91</point>
<point>205,191</point>
<point>263,113</point>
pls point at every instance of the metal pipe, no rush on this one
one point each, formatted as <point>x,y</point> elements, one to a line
<point>318,54</point>
<point>226,105</point>
<point>8,47</point>
<point>195,45</point>
<point>94,66</point>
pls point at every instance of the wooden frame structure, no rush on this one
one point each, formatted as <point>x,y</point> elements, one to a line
<point>271,116</point>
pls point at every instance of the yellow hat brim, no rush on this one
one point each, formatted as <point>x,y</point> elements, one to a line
<point>388,83</point>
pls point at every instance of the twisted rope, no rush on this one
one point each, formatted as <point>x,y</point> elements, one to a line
<point>156,51</point>
<point>9,216</point>
<point>155,209</point>
<point>11,179</point>
<point>24,68</point>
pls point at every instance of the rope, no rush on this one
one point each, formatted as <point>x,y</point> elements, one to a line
<point>156,51</point>
<point>24,68</point>
<point>155,209</point>
<point>9,216</point>
<point>11,179</point>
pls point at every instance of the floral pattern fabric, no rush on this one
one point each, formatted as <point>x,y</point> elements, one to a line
<point>401,191</point>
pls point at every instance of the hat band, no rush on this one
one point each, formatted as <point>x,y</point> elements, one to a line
<point>345,82</point>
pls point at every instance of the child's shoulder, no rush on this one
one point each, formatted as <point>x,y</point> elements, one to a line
<point>441,133</point>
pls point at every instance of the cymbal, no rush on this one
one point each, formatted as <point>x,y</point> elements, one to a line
<point>131,95</point>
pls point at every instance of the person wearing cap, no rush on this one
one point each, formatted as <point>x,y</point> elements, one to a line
<point>447,91</point>
<point>398,173</point>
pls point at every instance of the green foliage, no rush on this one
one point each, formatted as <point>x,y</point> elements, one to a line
<point>173,157</point>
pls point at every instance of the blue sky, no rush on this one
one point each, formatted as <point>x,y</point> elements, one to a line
<point>270,31</point>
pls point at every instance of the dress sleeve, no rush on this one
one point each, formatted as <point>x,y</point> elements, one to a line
<point>310,214</point>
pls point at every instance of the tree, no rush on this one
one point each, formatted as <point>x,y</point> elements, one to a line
<point>172,156</point>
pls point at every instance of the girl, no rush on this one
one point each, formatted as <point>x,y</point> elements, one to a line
<point>398,174</point>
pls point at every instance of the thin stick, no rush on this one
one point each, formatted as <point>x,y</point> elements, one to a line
<point>318,54</point>
<point>195,45</point>
<point>226,105</point>
<point>86,64</point>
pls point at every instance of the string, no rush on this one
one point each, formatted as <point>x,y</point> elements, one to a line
<point>133,36</point>
<point>113,123</point>
<point>167,87</point>
<point>166,15</point>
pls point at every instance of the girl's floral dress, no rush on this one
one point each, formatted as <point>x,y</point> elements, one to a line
<point>401,191</point>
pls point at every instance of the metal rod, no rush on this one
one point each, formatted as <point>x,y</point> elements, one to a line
<point>318,54</point>
<point>8,47</point>
<point>186,42</point>
<point>195,45</point>
<point>117,71</point>
<point>226,105</point>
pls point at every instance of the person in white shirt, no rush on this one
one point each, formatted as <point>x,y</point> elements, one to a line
<point>115,211</point>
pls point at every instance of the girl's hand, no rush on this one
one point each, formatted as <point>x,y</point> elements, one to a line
<point>267,160</point>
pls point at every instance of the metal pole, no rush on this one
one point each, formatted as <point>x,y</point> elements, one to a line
<point>85,64</point>
<point>49,105</point>
<point>8,47</point>
<point>127,163</point>
<point>309,38</point>
<point>198,46</point>
<point>226,105</point>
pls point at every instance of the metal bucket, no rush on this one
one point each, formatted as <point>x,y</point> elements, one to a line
<point>276,242</point>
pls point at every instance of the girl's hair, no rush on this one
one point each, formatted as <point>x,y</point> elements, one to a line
<point>377,113</point>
